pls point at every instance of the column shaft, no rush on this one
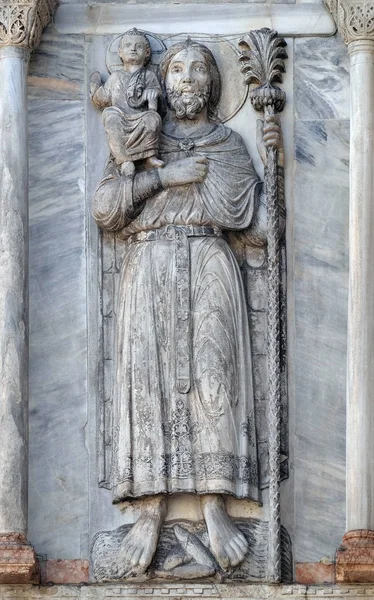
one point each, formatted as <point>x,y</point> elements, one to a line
<point>13,290</point>
<point>21,28</point>
<point>360,381</point>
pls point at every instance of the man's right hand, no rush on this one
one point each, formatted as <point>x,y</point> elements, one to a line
<point>184,171</point>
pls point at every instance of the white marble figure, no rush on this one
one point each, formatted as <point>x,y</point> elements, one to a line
<point>129,98</point>
<point>183,416</point>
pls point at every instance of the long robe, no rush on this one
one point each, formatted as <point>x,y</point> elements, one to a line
<point>204,440</point>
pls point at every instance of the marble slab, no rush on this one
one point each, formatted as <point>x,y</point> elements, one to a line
<point>102,514</point>
<point>321,79</point>
<point>63,472</point>
<point>56,68</point>
<point>229,18</point>
<point>58,495</point>
<point>320,305</point>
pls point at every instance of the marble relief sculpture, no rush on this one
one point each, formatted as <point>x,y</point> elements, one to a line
<point>129,98</point>
<point>183,403</point>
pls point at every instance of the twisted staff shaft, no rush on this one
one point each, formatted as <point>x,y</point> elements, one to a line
<point>263,64</point>
<point>273,360</point>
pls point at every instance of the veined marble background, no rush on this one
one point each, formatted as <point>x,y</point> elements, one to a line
<point>64,495</point>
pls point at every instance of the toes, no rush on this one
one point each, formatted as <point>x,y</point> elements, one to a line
<point>240,537</point>
<point>237,546</point>
<point>134,560</point>
<point>241,541</point>
<point>223,559</point>
<point>244,548</point>
<point>144,561</point>
<point>237,555</point>
<point>135,564</point>
<point>127,553</point>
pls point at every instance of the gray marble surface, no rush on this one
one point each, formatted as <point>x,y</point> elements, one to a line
<point>63,478</point>
<point>57,67</point>
<point>321,79</point>
<point>320,284</point>
<point>58,508</point>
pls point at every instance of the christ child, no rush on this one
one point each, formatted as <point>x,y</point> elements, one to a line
<point>129,98</point>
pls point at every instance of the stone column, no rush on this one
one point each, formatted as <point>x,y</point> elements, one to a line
<point>355,558</point>
<point>21,24</point>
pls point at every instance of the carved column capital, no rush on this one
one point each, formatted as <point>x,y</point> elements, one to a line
<point>354,19</point>
<point>22,21</point>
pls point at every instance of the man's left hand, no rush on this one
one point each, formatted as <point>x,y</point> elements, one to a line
<point>151,96</point>
<point>269,135</point>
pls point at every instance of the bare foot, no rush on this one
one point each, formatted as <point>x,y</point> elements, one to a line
<point>139,545</point>
<point>154,163</point>
<point>227,543</point>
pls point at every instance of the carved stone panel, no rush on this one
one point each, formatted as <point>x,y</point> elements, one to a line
<point>184,311</point>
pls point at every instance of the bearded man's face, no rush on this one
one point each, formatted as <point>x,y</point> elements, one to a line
<point>188,84</point>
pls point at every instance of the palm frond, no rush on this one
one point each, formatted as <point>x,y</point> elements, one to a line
<point>262,57</point>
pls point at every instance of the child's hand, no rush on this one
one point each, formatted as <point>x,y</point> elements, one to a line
<point>95,82</point>
<point>152,97</point>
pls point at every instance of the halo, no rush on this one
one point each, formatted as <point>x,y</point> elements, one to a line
<point>234,91</point>
<point>113,61</point>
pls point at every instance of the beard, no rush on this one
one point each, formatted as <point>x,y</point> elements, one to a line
<point>187,107</point>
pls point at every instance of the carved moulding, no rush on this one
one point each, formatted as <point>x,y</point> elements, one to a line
<point>354,19</point>
<point>22,21</point>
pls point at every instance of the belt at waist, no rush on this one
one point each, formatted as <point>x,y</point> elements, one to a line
<point>172,233</point>
<point>179,234</point>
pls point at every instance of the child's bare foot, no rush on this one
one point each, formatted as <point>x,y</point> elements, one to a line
<point>154,163</point>
<point>127,168</point>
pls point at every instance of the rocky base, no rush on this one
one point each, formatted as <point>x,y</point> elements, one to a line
<point>183,553</point>
<point>355,557</point>
<point>17,560</point>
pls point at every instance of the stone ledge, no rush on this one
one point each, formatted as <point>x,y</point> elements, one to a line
<point>76,571</point>
<point>183,590</point>
<point>64,572</point>
<point>290,20</point>
<point>315,573</point>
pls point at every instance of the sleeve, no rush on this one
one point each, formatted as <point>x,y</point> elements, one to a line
<point>234,195</point>
<point>256,233</point>
<point>152,82</point>
<point>232,187</point>
<point>113,207</point>
<point>119,199</point>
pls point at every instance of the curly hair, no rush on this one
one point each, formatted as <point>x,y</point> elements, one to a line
<point>215,87</point>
